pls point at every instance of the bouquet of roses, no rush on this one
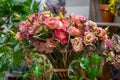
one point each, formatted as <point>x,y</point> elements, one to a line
<point>61,38</point>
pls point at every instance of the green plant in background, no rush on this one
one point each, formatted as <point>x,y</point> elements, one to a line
<point>115,7</point>
<point>86,67</point>
<point>12,57</point>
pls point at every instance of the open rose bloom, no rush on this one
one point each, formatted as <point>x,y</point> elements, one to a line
<point>48,33</point>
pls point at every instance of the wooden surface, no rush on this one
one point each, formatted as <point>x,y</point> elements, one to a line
<point>112,25</point>
<point>114,28</point>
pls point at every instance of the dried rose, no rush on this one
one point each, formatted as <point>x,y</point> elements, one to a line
<point>50,43</point>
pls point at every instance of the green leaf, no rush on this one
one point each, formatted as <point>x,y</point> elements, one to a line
<point>38,71</point>
<point>3,67</point>
<point>17,47</point>
<point>25,76</point>
<point>95,58</point>
<point>3,39</point>
<point>84,62</point>
<point>2,75</point>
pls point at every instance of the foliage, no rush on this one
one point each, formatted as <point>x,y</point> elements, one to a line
<point>115,6</point>
<point>12,57</point>
<point>89,67</point>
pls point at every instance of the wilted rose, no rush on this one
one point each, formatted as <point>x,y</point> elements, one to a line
<point>77,44</point>
<point>41,46</point>
<point>50,43</point>
<point>61,35</point>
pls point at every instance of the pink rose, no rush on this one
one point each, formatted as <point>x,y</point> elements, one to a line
<point>61,35</point>
<point>24,25</point>
<point>102,34</point>
<point>32,17</point>
<point>77,22</point>
<point>90,25</point>
<point>109,44</point>
<point>42,16</point>
<point>74,31</point>
<point>35,28</point>
<point>65,24</point>
<point>95,30</point>
<point>77,44</point>
<point>52,23</point>
<point>76,19</point>
<point>82,18</point>
<point>89,38</point>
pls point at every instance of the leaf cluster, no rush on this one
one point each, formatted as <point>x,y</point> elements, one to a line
<point>12,12</point>
<point>87,67</point>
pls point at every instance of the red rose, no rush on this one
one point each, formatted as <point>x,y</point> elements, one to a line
<point>61,35</point>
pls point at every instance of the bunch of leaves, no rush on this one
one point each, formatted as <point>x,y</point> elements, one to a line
<point>15,10</point>
<point>11,51</point>
<point>85,67</point>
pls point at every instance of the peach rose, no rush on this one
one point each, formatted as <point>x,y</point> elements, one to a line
<point>77,44</point>
<point>52,23</point>
<point>19,37</point>
<point>89,38</point>
<point>102,34</point>
<point>74,31</point>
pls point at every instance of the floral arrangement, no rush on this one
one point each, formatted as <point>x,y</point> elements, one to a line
<point>61,38</point>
